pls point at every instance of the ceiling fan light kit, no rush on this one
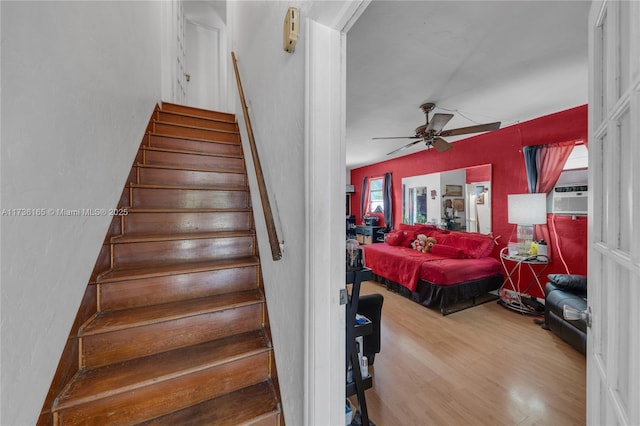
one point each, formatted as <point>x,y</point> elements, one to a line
<point>432,131</point>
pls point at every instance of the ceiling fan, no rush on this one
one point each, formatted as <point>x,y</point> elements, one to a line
<point>431,132</point>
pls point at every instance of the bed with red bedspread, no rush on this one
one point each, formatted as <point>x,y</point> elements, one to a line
<point>458,272</point>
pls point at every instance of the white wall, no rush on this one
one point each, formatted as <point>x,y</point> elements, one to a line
<point>274,84</point>
<point>277,116</point>
<point>79,82</point>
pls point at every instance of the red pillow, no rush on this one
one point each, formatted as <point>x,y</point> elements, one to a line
<point>477,247</point>
<point>406,227</point>
<point>447,251</point>
<point>395,238</point>
<point>425,229</point>
<point>474,246</point>
<point>408,238</point>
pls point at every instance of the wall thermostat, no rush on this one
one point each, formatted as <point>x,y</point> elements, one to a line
<point>290,29</point>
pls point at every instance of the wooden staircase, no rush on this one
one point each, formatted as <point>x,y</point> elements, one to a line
<point>180,332</point>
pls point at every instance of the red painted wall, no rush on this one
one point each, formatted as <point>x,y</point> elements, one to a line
<point>503,150</point>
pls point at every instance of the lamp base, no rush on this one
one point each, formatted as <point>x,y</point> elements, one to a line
<point>525,238</point>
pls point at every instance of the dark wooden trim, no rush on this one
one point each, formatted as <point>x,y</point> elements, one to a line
<point>274,242</point>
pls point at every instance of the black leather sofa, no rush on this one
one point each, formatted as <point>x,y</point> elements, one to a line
<point>563,289</point>
<point>370,306</point>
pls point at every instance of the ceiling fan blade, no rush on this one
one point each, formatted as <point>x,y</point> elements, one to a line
<point>404,147</point>
<point>471,129</point>
<point>399,137</point>
<point>440,144</point>
<point>438,121</point>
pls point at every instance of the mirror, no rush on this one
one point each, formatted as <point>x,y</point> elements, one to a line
<point>459,200</point>
<point>417,205</point>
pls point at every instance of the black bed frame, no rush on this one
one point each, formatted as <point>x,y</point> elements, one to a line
<point>450,298</point>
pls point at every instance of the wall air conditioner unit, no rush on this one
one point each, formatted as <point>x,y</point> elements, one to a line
<point>570,200</point>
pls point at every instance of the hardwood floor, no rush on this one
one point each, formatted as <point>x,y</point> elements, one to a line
<point>481,366</point>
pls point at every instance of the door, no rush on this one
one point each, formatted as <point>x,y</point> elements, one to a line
<point>613,342</point>
<point>203,66</point>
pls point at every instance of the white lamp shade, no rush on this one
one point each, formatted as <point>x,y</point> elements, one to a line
<point>527,209</point>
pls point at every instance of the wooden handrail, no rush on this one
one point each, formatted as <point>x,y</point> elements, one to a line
<point>274,242</point>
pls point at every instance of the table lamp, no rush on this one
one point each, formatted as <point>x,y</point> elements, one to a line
<point>526,210</point>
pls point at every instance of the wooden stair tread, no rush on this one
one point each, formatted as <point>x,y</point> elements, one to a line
<point>198,112</point>
<point>186,210</point>
<point>188,187</point>
<point>148,271</point>
<point>108,321</point>
<point>200,117</point>
<point>187,168</point>
<point>101,382</point>
<point>189,138</point>
<point>138,238</point>
<point>187,126</point>
<point>182,151</point>
<point>181,333</point>
<point>240,407</point>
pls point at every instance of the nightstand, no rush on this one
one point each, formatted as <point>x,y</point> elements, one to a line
<point>536,264</point>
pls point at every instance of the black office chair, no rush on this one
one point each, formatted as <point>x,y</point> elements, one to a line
<point>370,306</point>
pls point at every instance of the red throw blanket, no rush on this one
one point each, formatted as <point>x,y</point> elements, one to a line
<point>406,266</point>
<point>399,264</point>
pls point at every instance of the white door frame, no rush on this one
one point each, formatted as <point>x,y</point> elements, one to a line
<point>325,179</point>
<point>325,266</point>
<point>173,79</point>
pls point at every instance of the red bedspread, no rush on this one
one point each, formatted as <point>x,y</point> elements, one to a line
<point>406,266</point>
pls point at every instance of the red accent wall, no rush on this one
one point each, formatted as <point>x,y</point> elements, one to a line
<point>478,173</point>
<point>503,150</point>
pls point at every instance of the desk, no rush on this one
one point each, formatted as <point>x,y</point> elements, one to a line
<point>511,292</point>
<point>369,234</point>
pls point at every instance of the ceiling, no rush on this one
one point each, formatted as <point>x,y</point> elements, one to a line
<point>483,61</point>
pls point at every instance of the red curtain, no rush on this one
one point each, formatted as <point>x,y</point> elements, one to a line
<point>550,160</point>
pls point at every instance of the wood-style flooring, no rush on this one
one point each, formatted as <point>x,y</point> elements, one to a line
<point>482,366</point>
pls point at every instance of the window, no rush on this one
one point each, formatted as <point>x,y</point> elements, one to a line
<point>575,170</point>
<point>578,159</point>
<point>376,204</point>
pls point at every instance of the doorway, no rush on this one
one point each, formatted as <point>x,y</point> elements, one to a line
<point>203,66</point>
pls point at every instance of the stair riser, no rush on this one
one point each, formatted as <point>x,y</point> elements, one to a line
<point>195,145</point>
<point>170,395</point>
<point>229,164</point>
<point>189,120</point>
<point>153,291</point>
<point>216,115</point>
<point>193,132</point>
<point>187,222</point>
<point>189,177</point>
<point>254,405</point>
<point>188,198</point>
<point>258,405</point>
<point>122,345</point>
<point>200,249</point>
